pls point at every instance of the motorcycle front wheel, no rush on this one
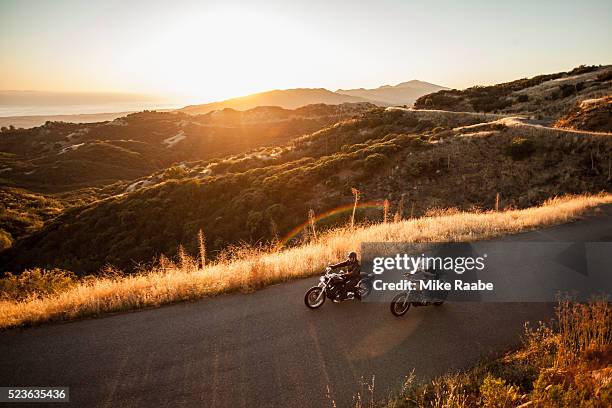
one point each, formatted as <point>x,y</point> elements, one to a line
<point>315,297</point>
<point>400,304</point>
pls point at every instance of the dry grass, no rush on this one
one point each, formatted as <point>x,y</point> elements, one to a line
<point>565,363</point>
<point>252,268</point>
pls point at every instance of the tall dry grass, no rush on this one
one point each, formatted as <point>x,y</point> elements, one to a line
<point>582,328</point>
<point>564,363</point>
<point>254,268</point>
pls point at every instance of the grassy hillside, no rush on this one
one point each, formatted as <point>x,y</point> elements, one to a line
<point>22,212</point>
<point>40,295</point>
<point>416,160</point>
<point>132,189</point>
<point>590,114</point>
<point>62,156</point>
<point>544,96</point>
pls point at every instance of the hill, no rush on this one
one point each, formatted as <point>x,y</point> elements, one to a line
<point>82,196</point>
<point>405,93</point>
<point>416,160</point>
<point>288,99</point>
<point>61,156</point>
<point>590,114</point>
<point>546,97</point>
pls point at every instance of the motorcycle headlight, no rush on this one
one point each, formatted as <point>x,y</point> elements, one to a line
<point>322,279</point>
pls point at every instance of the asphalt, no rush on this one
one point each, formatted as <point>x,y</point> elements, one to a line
<point>266,349</point>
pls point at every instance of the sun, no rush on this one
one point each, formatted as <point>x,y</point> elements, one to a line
<point>217,55</point>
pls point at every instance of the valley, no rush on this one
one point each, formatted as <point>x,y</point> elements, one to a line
<point>127,191</point>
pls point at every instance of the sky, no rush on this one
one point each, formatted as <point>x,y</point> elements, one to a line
<point>201,51</point>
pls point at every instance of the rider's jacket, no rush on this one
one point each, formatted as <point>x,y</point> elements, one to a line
<point>352,267</point>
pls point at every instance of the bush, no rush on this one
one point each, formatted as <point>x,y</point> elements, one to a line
<point>6,241</point>
<point>520,148</point>
<point>522,98</point>
<point>605,76</point>
<point>495,393</point>
<point>490,103</point>
<point>35,282</point>
<point>570,89</point>
<point>175,173</point>
<point>375,161</point>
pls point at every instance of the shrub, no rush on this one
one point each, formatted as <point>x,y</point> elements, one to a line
<point>605,76</point>
<point>520,148</point>
<point>499,126</point>
<point>522,98</point>
<point>495,393</point>
<point>570,89</point>
<point>175,173</point>
<point>35,282</point>
<point>6,241</point>
<point>490,103</point>
<point>375,161</point>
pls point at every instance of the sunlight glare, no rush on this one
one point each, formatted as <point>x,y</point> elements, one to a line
<point>216,56</point>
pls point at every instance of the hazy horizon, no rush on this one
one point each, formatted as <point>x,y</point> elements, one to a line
<point>199,52</point>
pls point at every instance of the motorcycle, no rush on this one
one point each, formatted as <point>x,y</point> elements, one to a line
<point>331,285</point>
<point>419,297</point>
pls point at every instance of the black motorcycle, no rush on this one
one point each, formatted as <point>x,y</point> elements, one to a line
<point>418,297</point>
<point>331,285</point>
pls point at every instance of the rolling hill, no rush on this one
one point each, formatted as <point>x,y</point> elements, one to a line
<point>405,93</point>
<point>401,94</point>
<point>416,160</point>
<point>287,99</point>
<point>545,97</point>
<point>253,176</point>
<point>62,156</point>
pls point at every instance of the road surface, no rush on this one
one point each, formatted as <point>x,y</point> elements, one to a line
<point>266,349</point>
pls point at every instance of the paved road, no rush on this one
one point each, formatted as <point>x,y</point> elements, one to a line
<point>266,349</point>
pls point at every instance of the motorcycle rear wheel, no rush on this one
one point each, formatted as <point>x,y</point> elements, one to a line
<point>400,305</point>
<point>314,297</point>
<point>364,290</point>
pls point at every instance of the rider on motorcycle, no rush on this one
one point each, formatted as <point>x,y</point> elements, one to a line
<point>351,274</point>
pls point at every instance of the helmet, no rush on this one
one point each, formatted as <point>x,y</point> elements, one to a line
<point>352,255</point>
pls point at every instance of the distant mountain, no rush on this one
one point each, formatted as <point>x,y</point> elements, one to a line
<point>287,98</point>
<point>405,93</point>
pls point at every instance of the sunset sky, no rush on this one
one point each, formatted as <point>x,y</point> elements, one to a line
<point>199,51</point>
